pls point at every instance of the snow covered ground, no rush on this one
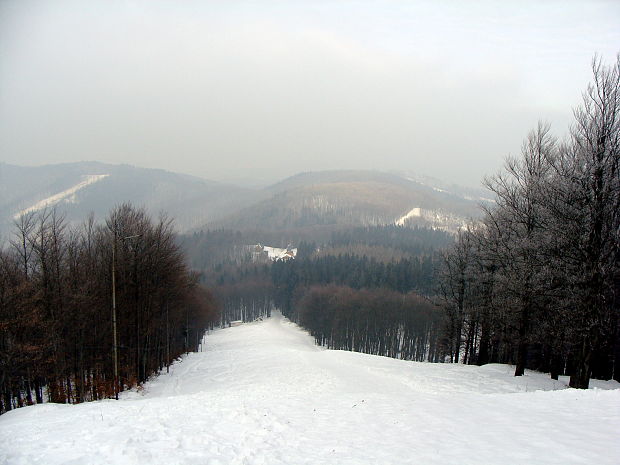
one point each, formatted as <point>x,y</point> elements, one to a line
<point>263,393</point>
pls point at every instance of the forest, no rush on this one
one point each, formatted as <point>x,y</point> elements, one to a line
<point>368,289</point>
<point>59,339</point>
<point>88,311</point>
<point>378,321</point>
<point>536,283</point>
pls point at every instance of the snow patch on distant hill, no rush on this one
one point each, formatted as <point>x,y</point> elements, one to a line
<point>413,213</point>
<point>262,252</point>
<point>66,195</point>
<point>434,218</point>
<point>275,253</point>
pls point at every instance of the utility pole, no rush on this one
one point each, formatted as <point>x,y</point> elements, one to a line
<point>167,339</point>
<point>114,331</point>
<point>115,342</point>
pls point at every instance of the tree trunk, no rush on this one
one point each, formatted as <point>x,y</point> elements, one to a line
<point>483,353</point>
<point>38,390</point>
<point>555,365</point>
<point>521,357</point>
<point>580,379</point>
<point>523,346</point>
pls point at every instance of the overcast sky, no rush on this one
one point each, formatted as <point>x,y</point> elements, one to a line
<point>265,89</point>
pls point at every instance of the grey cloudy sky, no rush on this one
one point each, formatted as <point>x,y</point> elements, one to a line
<point>264,89</point>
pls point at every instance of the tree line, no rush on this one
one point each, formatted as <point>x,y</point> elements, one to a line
<point>244,292</point>
<point>358,272</point>
<point>374,321</point>
<point>537,282</point>
<point>353,302</point>
<point>210,248</point>
<point>56,319</point>
<point>383,274</point>
<point>390,257</point>
<point>412,241</point>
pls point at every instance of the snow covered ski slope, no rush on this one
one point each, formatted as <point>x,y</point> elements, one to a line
<point>263,393</point>
<point>64,195</point>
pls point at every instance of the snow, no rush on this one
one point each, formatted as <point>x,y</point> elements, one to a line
<point>413,213</point>
<point>263,393</point>
<point>438,219</point>
<point>64,195</point>
<point>276,253</point>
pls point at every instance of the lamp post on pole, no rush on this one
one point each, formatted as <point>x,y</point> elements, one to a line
<point>114,332</point>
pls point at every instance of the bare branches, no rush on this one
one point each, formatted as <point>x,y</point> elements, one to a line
<point>554,237</point>
<point>55,296</point>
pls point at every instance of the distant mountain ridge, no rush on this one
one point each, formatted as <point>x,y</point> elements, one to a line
<point>190,200</point>
<point>353,198</point>
<point>324,198</point>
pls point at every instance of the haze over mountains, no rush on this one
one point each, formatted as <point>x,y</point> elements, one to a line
<point>351,198</point>
<point>191,201</point>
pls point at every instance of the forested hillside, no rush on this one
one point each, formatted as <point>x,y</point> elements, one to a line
<point>58,284</point>
<point>365,289</point>
<point>306,205</point>
<point>349,198</point>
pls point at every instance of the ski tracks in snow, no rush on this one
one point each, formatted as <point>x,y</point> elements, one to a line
<point>264,394</point>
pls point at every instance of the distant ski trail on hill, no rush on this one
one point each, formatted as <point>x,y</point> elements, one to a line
<point>413,213</point>
<point>56,198</point>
